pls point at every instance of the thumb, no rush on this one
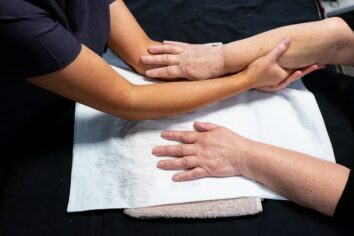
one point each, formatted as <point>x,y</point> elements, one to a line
<point>279,50</point>
<point>204,126</point>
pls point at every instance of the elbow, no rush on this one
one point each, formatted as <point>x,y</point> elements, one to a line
<point>340,30</point>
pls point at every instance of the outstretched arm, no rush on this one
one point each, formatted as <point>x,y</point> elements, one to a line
<point>329,41</point>
<point>216,151</point>
<point>91,81</point>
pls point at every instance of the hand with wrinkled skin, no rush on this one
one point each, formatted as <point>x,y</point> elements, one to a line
<point>183,60</point>
<point>211,150</point>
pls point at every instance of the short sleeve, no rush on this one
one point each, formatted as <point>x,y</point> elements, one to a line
<point>32,43</point>
<point>345,205</point>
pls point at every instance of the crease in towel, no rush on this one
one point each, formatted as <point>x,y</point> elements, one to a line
<point>200,210</point>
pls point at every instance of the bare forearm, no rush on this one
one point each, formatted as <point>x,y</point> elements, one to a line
<point>329,41</point>
<point>306,180</point>
<point>180,97</point>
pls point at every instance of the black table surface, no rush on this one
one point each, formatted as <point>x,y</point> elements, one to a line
<point>36,189</point>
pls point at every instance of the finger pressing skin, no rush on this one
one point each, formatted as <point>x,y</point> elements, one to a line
<point>294,76</point>
<point>187,162</point>
<point>195,173</point>
<point>204,126</point>
<point>165,48</point>
<point>165,72</point>
<point>279,50</point>
<point>181,136</point>
<point>164,59</point>
<point>174,150</point>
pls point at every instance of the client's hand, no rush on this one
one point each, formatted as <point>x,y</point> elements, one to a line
<point>183,60</point>
<point>211,150</point>
<point>267,75</point>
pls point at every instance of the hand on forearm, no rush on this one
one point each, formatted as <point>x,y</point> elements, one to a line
<point>183,60</point>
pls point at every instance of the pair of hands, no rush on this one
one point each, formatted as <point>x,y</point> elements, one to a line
<point>205,61</point>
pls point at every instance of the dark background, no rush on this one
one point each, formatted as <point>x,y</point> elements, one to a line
<point>36,188</point>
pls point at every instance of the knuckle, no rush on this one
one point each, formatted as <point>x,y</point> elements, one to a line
<point>165,58</point>
<point>185,162</point>
<point>170,71</point>
<point>180,150</point>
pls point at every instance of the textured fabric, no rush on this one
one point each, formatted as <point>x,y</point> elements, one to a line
<point>113,166</point>
<point>200,210</point>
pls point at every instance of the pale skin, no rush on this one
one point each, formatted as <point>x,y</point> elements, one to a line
<point>213,150</point>
<point>328,41</point>
<point>91,81</point>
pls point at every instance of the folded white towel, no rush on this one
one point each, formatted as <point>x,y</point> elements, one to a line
<point>200,210</point>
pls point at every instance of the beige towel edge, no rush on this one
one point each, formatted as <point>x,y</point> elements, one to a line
<point>234,207</point>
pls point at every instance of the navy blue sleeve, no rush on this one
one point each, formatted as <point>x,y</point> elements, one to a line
<point>31,42</point>
<point>345,205</point>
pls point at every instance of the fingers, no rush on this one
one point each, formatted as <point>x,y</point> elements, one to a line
<point>165,49</point>
<point>163,59</point>
<point>310,69</point>
<point>294,76</point>
<point>279,50</point>
<point>188,137</point>
<point>165,72</point>
<point>180,44</point>
<point>179,163</point>
<point>195,173</point>
<point>204,126</point>
<point>174,150</point>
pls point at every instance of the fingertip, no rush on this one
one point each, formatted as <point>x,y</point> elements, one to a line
<point>165,134</point>
<point>149,73</point>
<point>160,165</point>
<point>176,178</point>
<point>144,58</point>
<point>155,151</point>
<point>286,41</point>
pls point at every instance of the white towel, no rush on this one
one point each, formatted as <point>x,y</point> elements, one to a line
<point>113,166</point>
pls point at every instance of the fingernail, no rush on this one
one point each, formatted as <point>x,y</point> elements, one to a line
<point>153,47</point>
<point>164,134</point>
<point>156,150</point>
<point>176,178</point>
<point>286,41</point>
<point>159,165</point>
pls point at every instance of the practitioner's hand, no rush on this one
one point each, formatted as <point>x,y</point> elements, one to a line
<point>183,60</point>
<point>211,150</point>
<point>266,74</point>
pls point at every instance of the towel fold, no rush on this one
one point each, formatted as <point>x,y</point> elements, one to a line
<point>200,210</point>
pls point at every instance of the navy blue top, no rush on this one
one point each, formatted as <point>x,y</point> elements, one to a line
<point>39,37</point>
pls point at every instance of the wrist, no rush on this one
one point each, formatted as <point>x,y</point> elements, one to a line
<point>247,158</point>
